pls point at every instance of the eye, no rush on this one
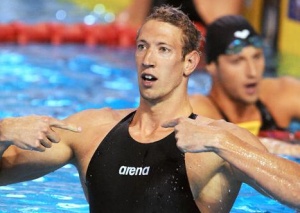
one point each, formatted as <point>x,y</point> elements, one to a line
<point>164,49</point>
<point>235,60</point>
<point>141,46</point>
<point>258,55</point>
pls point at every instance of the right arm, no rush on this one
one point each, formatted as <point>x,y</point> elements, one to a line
<point>23,144</point>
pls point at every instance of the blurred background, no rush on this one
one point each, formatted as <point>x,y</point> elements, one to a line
<point>279,23</point>
<point>277,20</point>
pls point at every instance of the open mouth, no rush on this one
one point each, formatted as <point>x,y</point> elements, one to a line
<point>148,77</point>
<point>249,86</point>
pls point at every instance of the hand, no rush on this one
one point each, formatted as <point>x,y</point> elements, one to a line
<point>205,134</point>
<point>32,132</point>
<point>188,133</point>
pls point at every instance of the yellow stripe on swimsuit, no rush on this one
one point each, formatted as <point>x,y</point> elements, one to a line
<point>252,126</point>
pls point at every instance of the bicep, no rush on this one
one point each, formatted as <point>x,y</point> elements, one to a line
<point>21,165</point>
<point>220,192</point>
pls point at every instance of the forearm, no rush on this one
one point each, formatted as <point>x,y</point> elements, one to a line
<point>276,176</point>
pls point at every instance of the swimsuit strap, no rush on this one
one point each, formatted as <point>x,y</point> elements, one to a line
<point>193,116</point>
<point>268,122</point>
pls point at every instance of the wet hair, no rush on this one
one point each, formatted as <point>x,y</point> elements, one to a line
<point>222,32</point>
<point>174,16</point>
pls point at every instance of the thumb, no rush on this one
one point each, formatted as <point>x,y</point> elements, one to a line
<point>170,123</point>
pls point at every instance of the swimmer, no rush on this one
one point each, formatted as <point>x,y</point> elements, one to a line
<point>128,160</point>
<point>239,93</point>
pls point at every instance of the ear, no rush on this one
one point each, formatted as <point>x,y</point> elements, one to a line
<point>191,62</point>
<point>211,68</point>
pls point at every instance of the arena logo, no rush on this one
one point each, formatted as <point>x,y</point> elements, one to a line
<point>131,171</point>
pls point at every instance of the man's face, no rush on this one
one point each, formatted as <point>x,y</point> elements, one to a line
<point>159,60</point>
<point>239,74</point>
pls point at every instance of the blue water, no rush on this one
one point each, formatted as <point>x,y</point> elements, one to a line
<point>61,80</point>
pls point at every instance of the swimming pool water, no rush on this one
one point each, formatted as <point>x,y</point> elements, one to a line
<point>61,80</point>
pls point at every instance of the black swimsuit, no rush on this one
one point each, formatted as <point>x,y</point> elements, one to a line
<point>268,122</point>
<point>127,176</point>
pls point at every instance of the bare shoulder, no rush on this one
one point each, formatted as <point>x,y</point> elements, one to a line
<point>284,88</point>
<point>202,105</point>
<point>281,97</point>
<point>99,116</point>
<point>93,122</point>
<point>95,125</point>
<point>279,83</point>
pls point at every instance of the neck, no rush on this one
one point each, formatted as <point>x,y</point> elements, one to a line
<point>146,125</point>
<point>234,110</point>
<point>167,109</point>
<point>154,115</point>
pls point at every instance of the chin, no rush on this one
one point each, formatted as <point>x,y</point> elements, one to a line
<point>252,100</point>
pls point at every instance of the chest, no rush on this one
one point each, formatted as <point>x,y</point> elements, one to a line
<point>123,168</point>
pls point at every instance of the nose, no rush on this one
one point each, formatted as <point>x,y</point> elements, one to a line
<point>252,70</point>
<point>148,59</point>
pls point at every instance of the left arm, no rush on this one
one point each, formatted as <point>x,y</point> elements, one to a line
<point>252,163</point>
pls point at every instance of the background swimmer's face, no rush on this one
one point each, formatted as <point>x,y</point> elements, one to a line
<point>239,74</point>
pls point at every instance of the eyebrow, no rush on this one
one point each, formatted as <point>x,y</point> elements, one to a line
<point>158,44</point>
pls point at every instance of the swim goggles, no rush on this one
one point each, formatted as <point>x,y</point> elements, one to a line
<point>237,44</point>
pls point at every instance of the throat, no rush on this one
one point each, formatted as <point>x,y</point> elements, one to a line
<point>149,135</point>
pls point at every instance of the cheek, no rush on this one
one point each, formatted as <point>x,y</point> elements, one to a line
<point>230,81</point>
<point>261,66</point>
<point>230,74</point>
<point>172,68</point>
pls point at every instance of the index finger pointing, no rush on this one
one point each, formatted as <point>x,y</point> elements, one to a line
<point>63,125</point>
